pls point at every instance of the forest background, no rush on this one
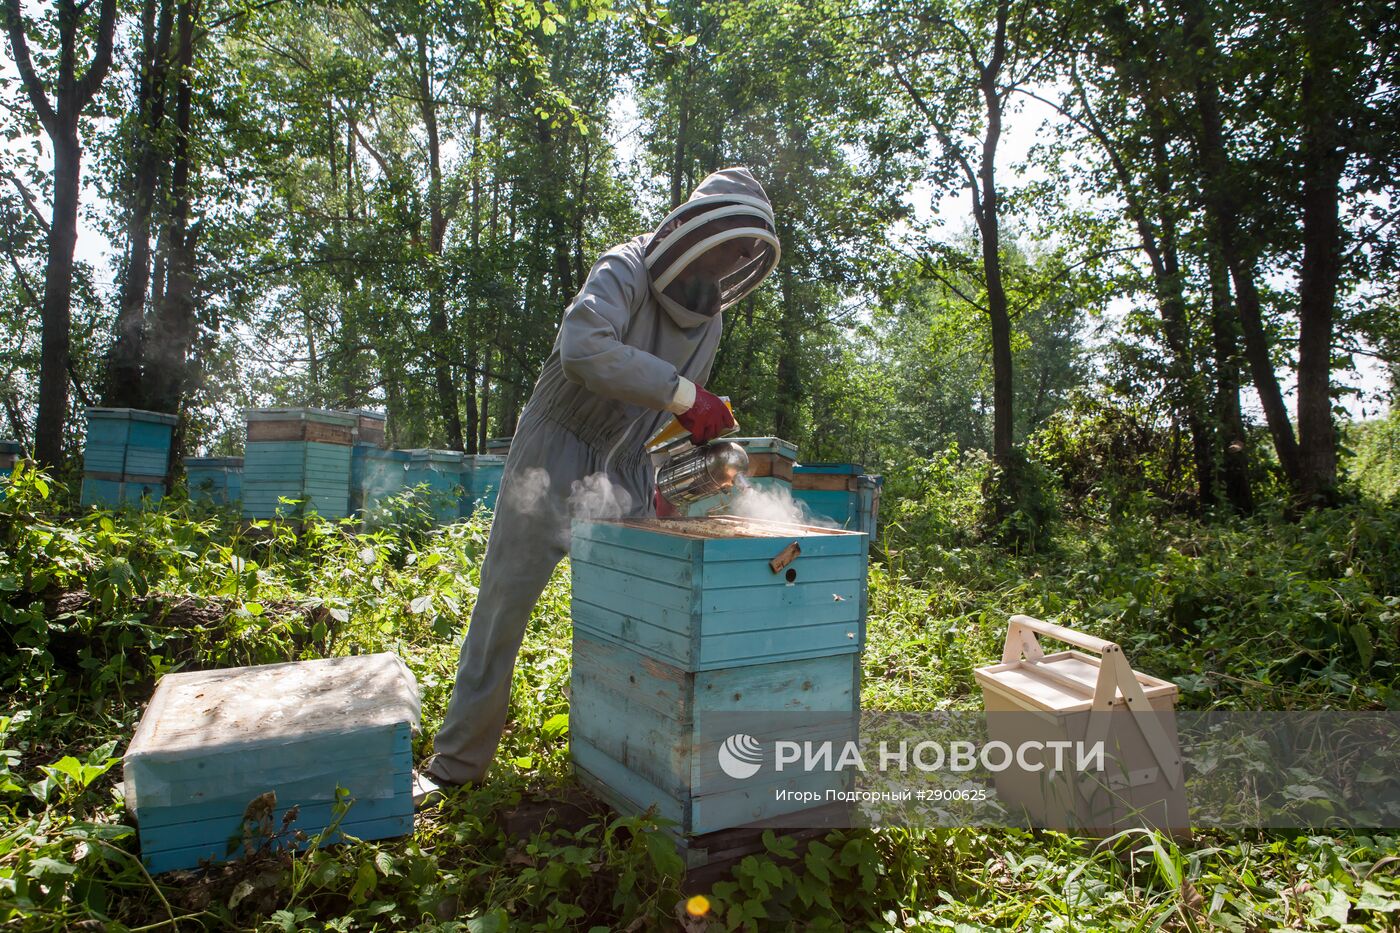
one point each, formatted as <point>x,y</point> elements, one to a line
<point>1106,292</point>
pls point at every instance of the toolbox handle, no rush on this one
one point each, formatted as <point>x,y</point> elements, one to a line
<point>1021,641</point>
<point>1115,676</point>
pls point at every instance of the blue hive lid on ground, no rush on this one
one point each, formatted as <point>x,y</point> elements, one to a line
<point>130,414</point>
<point>229,734</point>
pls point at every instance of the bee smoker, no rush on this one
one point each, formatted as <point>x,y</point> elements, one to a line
<point>691,473</point>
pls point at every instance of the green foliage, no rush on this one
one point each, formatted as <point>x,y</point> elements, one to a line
<point>1375,456</point>
<point>1255,613</point>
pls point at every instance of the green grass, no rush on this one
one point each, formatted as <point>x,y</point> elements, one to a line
<point>1258,613</point>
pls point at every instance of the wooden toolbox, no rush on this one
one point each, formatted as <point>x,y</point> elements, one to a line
<point>301,454</point>
<point>1073,696</point>
<point>212,744</point>
<point>699,594</point>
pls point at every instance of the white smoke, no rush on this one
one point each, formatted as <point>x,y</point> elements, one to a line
<point>528,491</point>
<point>773,503</point>
<point>597,498</point>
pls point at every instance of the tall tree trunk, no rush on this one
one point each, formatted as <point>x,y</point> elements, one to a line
<point>678,158</point>
<point>785,418</point>
<point>1229,420</point>
<point>438,331</point>
<point>122,386</point>
<point>60,122</point>
<point>173,328</point>
<point>1323,161</point>
<point>988,223</point>
<point>1222,208</point>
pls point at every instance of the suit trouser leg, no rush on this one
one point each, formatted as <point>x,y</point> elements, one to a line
<point>524,548</point>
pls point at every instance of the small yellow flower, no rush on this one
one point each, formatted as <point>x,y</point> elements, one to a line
<point>698,906</point>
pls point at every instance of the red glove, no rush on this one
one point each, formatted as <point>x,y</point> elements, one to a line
<point>707,419</point>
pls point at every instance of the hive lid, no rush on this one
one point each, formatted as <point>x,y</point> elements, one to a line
<point>727,526</point>
<point>322,415</point>
<point>434,456</point>
<point>131,414</point>
<point>766,445</point>
<point>232,714</point>
<point>1063,682</point>
<point>830,467</point>
<point>371,415</point>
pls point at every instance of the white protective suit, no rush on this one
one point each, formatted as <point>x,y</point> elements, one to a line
<point>627,357</point>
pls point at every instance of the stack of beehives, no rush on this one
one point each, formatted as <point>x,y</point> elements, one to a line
<point>679,623</point>
<point>126,458</point>
<point>301,454</point>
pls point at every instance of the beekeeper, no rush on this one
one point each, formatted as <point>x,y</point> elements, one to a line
<point>635,347</point>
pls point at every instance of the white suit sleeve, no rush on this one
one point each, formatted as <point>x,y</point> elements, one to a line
<point>592,352</point>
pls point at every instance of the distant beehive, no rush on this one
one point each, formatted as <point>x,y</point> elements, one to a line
<point>771,461</point>
<point>126,457</point>
<point>376,474</point>
<point>301,454</point>
<point>10,454</point>
<point>369,427</point>
<point>221,756</point>
<point>441,472</point>
<point>680,621</point>
<point>500,446</point>
<point>482,479</point>
<point>214,479</point>
<point>840,492</point>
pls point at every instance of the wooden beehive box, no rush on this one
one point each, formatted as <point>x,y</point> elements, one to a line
<point>301,454</point>
<point>438,475</point>
<point>699,594</point>
<point>369,427</point>
<point>126,456</point>
<point>1032,696</point>
<point>214,479</point>
<point>10,454</point>
<point>499,446</point>
<point>482,481</point>
<point>636,737</point>
<point>213,742</point>
<point>376,474</point>
<point>840,492</point>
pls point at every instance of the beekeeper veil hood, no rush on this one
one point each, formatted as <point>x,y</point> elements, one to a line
<point>714,249</point>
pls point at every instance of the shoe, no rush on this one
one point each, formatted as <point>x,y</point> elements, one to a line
<point>428,791</point>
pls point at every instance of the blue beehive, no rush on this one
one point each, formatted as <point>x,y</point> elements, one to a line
<point>679,619</point>
<point>10,454</point>
<point>301,454</point>
<point>770,465</point>
<point>483,481</point>
<point>217,480</point>
<point>841,492</point>
<point>440,474</point>
<point>377,474</point>
<point>126,456</point>
<point>212,744</point>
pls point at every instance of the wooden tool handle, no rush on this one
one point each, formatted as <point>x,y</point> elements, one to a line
<point>1020,641</point>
